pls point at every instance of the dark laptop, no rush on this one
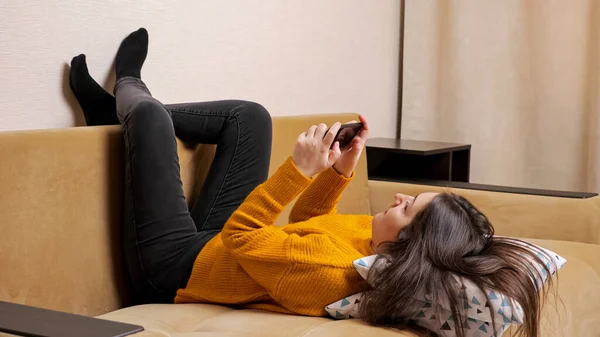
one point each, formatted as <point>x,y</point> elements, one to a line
<point>22,320</point>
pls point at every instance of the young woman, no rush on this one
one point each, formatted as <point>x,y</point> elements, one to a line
<point>226,250</point>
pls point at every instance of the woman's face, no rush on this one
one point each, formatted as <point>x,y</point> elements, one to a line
<point>387,224</point>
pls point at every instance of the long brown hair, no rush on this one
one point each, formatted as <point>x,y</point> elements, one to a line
<point>448,238</point>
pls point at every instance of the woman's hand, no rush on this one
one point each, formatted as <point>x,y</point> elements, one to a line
<point>311,152</point>
<point>347,162</point>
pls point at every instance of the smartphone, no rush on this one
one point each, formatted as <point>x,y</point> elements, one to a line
<point>346,134</point>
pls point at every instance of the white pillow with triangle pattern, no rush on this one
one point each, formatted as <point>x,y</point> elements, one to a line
<point>480,306</point>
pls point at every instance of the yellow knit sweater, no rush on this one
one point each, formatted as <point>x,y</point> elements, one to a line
<point>298,268</point>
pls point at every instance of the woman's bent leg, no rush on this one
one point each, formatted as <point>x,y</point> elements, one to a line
<point>161,238</point>
<point>242,131</point>
<point>158,227</point>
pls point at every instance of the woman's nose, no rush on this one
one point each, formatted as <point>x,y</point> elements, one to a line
<point>400,198</point>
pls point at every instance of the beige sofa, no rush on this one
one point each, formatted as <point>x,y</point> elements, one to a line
<point>60,207</point>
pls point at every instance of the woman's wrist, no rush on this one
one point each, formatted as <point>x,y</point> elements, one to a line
<point>343,172</point>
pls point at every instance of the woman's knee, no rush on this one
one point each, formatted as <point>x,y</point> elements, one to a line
<point>149,114</point>
<point>255,115</point>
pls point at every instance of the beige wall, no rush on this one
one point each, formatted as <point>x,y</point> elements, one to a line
<point>293,56</point>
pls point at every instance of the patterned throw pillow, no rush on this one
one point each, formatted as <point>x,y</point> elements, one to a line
<point>481,306</point>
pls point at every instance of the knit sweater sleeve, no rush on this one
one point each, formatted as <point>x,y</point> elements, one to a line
<point>321,197</point>
<point>262,249</point>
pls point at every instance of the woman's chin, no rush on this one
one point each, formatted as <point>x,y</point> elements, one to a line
<point>377,216</point>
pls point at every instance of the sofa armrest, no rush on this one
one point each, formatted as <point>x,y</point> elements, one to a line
<point>573,309</point>
<point>518,215</point>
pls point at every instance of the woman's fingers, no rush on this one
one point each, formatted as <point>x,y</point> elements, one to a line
<point>320,132</point>
<point>335,153</point>
<point>311,131</point>
<point>363,120</point>
<point>312,152</point>
<point>330,135</point>
<point>364,132</point>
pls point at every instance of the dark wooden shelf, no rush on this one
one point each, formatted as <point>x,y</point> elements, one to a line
<point>416,147</point>
<point>393,159</point>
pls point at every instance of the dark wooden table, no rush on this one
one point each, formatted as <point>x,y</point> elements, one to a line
<point>400,159</point>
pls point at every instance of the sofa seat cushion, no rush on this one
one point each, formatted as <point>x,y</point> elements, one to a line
<point>204,320</point>
<point>575,313</point>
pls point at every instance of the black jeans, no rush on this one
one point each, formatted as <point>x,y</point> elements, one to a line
<point>162,237</point>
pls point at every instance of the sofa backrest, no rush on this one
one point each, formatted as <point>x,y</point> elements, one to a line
<point>61,203</point>
<point>517,215</point>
